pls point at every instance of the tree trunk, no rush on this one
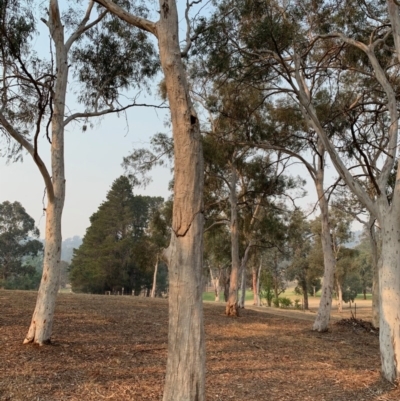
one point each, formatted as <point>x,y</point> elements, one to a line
<point>305,297</point>
<point>389,288</point>
<point>154,287</point>
<point>42,320</point>
<point>375,266</point>
<point>324,311</point>
<point>258,285</point>
<point>339,296</point>
<point>215,282</point>
<point>243,267</point>
<point>242,298</point>
<point>185,374</point>
<point>232,304</point>
<point>254,281</point>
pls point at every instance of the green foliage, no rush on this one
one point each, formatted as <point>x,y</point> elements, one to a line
<point>112,57</point>
<point>284,302</point>
<point>351,287</point>
<point>18,250</point>
<point>116,250</point>
<point>266,284</point>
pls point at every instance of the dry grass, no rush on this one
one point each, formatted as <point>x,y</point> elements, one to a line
<point>114,348</point>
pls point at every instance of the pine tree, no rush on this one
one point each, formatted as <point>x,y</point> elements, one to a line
<point>113,253</point>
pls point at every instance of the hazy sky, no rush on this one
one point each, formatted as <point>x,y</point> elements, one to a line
<point>93,161</point>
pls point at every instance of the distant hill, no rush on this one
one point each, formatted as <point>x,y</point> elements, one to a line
<point>67,247</point>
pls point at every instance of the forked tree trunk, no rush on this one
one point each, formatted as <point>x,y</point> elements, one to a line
<point>154,286</point>
<point>185,373</point>
<point>324,311</point>
<point>215,280</point>
<point>232,308</point>
<point>42,321</point>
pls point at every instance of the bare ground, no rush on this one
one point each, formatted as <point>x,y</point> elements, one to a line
<point>114,348</point>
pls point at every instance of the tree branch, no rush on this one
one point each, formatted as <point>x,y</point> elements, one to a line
<point>139,22</point>
<point>30,149</point>
<point>108,111</point>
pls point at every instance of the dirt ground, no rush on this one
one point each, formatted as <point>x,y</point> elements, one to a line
<point>114,348</point>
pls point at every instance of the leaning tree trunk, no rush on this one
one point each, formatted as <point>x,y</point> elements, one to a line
<point>232,304</point>
<point>389,289</point>
<point>185,374</point>
<point>324,311</point>
<point>42,321</point>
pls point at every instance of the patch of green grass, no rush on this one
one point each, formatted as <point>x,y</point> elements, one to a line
<point>210,296</point>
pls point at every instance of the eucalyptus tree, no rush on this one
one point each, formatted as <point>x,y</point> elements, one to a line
<point>33,92</point>
<point>313,47</point>
<point>186,351</point>
<point>284,128</point>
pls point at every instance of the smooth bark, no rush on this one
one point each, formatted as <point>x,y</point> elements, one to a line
<point>375,266</point>
<point>339,295</point>
<point>243,267</point>
<point>324,311</point>
<point>232,308</point>
<point>40,329</point>
<point>154,286</point>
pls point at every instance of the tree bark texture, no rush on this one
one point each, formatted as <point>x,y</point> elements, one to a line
<point>42,321</point>
<point>232,308</point>
<point>154,286</point>
<point>185,373</point>
<point>243,267</point>
<point>375,266</point>
<point>339,296</point>
<point>389,289</point>
<point>254,282</point>
<point>324,311</point>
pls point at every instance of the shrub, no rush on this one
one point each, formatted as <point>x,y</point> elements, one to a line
<point>297,304</point>
<point>284,302</point>
<point>275,301</point>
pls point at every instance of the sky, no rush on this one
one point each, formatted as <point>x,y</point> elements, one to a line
<point>93,161</point>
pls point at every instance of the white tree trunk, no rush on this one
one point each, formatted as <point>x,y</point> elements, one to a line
<point>154,286</point>
<point>324,311</point>
<point>375,278</point>
<point>215,282</point>
<point>42,321</point>
<point>232,304</point>
<point>389,288</point>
